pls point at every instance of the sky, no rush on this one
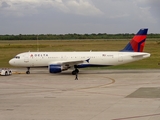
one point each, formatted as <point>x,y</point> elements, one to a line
<point>78,16</point>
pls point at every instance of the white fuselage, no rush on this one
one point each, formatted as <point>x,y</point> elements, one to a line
<point>44,59</point>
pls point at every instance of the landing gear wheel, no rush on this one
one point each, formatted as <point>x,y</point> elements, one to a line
<point>6,73</point>
<point>74,72</point>
<point>28,72</point>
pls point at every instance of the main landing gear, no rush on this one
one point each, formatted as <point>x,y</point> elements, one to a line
<point>76,71</point>
<point>28,72</point>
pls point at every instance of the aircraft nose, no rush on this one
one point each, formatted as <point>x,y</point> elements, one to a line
<point>11,62</point>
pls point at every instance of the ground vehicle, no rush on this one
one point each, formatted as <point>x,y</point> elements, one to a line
<point>5,72</point>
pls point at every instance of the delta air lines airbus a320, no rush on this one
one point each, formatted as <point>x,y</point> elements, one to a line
<point>61,61</point>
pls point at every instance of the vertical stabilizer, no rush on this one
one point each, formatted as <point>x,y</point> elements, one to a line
<point>138,41</point>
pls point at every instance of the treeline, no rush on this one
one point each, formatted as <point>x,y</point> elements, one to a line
<point>72,36</point>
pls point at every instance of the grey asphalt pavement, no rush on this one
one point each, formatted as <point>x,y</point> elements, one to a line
<point>96,95</point>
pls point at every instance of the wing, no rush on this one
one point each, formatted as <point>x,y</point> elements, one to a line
<point>59,66</point>
<point>70,64</point>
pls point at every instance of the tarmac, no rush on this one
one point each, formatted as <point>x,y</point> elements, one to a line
<point>96,95</point>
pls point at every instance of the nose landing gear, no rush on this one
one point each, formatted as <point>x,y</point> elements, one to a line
<point>28,70</point>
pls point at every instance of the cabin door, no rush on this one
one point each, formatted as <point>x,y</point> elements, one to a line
<point>120,57</point>
<point>26,58</point>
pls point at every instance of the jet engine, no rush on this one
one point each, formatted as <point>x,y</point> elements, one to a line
<point>56,68</point>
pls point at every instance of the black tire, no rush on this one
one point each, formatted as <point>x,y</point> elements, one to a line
<point>74,72</point>
<point>27,72</point>
<point>6,73</point>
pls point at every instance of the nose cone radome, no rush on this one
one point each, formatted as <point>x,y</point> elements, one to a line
<point>11,62</point>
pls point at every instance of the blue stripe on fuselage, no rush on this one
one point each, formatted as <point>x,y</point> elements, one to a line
<point>91,65</point>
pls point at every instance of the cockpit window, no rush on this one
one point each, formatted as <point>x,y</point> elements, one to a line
<point>17,57</point>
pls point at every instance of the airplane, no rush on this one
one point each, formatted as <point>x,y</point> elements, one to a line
<point>61,61</point>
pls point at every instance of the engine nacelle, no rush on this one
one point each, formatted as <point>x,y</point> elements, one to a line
<point>54,68</point>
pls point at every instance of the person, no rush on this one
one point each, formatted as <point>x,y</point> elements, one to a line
<point>76,76</point>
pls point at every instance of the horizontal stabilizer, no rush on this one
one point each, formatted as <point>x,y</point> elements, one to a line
<point>144,55</point>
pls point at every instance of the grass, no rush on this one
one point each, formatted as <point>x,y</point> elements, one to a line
<point>8,49</point>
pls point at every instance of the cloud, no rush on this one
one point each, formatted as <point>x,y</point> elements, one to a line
<point>21,7</point>
<point>126,9</point>
<point>154,8</point>
<point>17,7</point>
<point>78,16</point>
<point>4,4</point>
<point>83,7</point>
<point>114,8</point>
<point>143,11</point>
